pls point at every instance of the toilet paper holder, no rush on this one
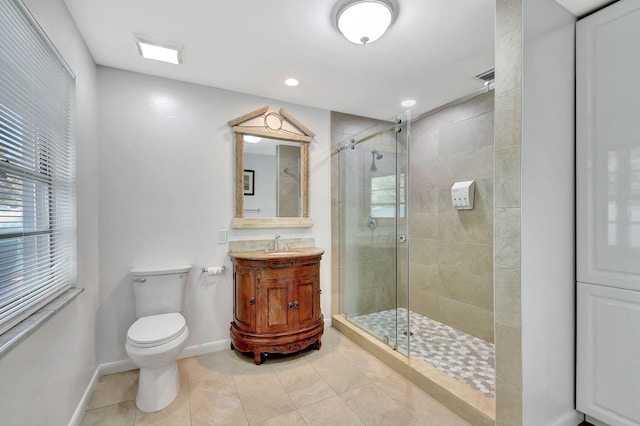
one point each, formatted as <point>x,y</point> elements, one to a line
<point>213,270</point>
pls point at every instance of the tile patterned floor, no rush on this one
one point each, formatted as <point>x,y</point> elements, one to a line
<point>464,357</point>
<point>341,384</point>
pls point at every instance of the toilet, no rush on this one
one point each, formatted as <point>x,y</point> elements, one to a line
<point>157,337</point>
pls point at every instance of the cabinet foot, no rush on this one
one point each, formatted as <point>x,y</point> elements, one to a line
<point>259,357</point>
<point>233,348</point>
<point>317,345</point>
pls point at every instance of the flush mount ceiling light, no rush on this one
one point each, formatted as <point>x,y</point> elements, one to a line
<point>159,51</point>
<point>251,138</point>
<point>291,82</point>
<point>365,21</point>
<point>408,103</point>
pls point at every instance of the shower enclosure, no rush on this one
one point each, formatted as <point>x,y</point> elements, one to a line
<point>422,285</point>
<point>373,169</point>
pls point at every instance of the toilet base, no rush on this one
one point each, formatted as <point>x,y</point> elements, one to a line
<point>157,387</point>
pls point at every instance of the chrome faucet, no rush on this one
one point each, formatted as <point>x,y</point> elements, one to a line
<point>275,246</point>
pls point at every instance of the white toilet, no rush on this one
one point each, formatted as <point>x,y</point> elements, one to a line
<point>156,339</point>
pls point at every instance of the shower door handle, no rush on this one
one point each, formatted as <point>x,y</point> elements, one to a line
<point>402,239</point>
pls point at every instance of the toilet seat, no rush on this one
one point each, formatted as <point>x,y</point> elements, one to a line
<point>156,330</point>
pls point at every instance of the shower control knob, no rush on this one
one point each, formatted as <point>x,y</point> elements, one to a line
<point>402,238</point>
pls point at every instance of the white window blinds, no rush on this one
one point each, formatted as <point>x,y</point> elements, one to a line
<point>37,168</point>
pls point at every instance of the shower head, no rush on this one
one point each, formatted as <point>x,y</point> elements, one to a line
<point>375,155</point>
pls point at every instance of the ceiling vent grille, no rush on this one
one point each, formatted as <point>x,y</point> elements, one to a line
<point>489,75</point>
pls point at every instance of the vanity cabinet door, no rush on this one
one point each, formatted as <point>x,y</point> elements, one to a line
<point>306,296</point>
<point>276,313</point>
<point>245,298</point>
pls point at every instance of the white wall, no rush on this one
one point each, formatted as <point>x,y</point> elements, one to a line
<point>166,156</point>
<point>548,217</point>
<point>45,376</point>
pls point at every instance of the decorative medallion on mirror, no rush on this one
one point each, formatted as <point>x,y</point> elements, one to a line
<point>271,176</point>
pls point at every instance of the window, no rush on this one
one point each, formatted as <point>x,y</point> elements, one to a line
<point>383,196</point>
<point>37,168</point>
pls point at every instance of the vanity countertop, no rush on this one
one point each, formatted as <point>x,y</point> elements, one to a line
<point>275,255</point>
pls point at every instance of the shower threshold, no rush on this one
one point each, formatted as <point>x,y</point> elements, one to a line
<point>468,403</point>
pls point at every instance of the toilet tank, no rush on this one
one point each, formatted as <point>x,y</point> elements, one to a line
<point>159,290</point>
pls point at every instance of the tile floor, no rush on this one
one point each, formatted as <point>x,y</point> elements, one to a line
<point>462,356</point>
<point>341,384</point>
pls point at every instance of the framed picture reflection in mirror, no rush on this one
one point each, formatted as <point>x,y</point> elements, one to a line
<point>248,182</point>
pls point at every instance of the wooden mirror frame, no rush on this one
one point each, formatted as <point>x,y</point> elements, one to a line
<point>298,133</point>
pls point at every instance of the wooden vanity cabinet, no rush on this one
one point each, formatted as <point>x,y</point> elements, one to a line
<point>276,303</point>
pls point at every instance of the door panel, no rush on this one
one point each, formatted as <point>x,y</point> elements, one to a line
<point>245,308</point>
<point>608,364</point>
<point>608,149</point>
<point>277,294</point>
<point>305,296</point>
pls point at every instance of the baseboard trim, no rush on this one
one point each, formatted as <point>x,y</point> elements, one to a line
<point>327,322</point>
<point>572,418</point>
<point>205,348</point>
<point>594,422</point>
<point>116,367</point>
<point>127,365</point>
<point>78,414</point>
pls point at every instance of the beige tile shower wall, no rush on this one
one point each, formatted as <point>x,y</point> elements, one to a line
<point>451,253</point>
<point>507,259</point>
<point>288,180</point>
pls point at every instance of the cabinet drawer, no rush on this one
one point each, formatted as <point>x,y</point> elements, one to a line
<point>286,272</point>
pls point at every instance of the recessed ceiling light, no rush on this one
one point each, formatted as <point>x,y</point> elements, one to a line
<point>408,103</point>
<point>291,82</point>
<point>160,51</point>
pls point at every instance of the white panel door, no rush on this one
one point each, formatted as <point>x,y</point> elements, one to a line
<point>608,364</point>
<point>608,146</point>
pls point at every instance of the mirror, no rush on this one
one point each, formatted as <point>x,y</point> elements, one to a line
<point>271,170</point>
<point>271,178</point>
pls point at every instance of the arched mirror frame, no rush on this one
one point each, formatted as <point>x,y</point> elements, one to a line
<point>280,126</point>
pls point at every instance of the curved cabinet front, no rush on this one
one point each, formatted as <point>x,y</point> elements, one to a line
<point>276,304</point>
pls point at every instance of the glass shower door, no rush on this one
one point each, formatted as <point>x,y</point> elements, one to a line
<point>373,231</point>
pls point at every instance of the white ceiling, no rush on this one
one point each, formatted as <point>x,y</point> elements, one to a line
<point>431,53</point>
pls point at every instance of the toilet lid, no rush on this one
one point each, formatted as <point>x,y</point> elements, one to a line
<point>156,329</point>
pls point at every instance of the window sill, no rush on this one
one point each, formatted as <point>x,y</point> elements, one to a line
<point>20,331</point>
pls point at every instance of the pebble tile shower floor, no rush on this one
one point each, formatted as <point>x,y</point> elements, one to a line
<point>464,357</point>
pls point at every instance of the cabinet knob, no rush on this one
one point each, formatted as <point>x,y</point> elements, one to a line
<point>293,305</point>
<point>252,301</point>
